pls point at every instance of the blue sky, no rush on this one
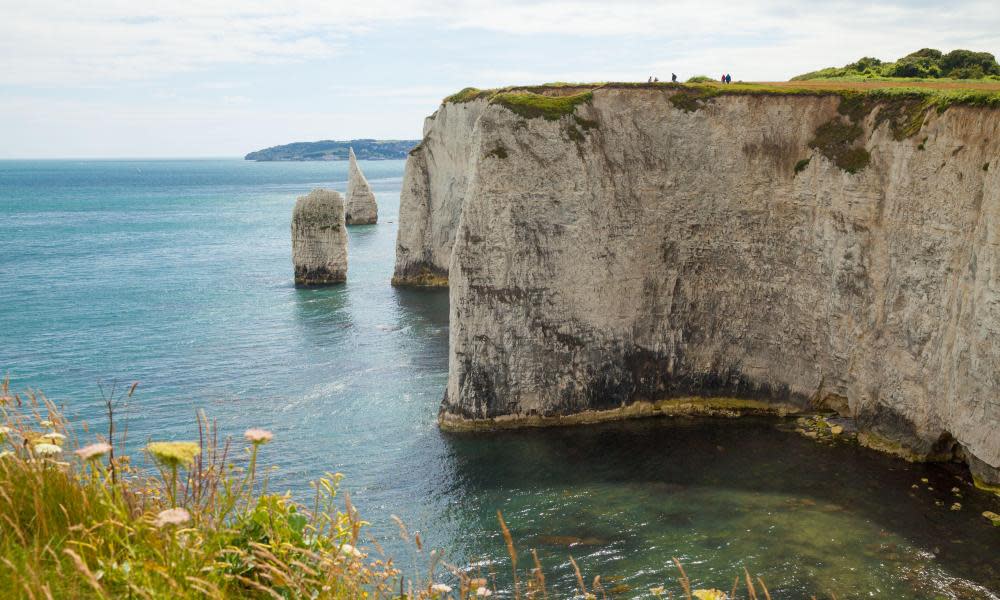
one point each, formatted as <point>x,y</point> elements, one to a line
<point>126,78</point>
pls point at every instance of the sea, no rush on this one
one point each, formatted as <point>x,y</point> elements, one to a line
<point>177,274</point>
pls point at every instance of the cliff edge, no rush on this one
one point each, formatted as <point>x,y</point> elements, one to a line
<point>631,250</point>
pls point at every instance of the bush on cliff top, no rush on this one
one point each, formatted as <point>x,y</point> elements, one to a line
<point>926,63</point>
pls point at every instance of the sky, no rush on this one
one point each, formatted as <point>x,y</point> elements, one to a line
<point>207,78</point>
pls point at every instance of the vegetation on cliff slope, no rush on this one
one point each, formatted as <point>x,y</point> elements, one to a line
<point>926,63</point>
<point>87,522</point>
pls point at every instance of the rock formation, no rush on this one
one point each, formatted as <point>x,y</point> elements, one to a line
<point>319,239</point>
<point>433,193</point>
<point>360,207</point>
<point>656,250</point>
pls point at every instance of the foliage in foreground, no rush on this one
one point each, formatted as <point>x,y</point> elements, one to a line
<point>89,524</point>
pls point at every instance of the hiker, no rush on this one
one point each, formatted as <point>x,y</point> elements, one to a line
<point>673,77</point>
<point>729,78</point>
<point>723,78</point>
<point>656,80</point>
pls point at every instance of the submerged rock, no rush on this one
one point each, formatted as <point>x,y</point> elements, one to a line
<point>319,239</point>
<point>360,207</point>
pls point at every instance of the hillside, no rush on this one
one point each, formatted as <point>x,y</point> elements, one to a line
<point>364,149</point>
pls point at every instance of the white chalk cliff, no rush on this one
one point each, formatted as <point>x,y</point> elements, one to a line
<point>360,207</point>
<point>319,239</point>
<point>655,250</point>
<point>430,203</point>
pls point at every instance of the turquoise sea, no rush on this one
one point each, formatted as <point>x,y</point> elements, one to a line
<point>177,274</point>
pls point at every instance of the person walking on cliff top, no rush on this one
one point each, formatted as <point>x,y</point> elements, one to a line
<point>673,77</point>
<point>650,79</point>
<point>729,78</point>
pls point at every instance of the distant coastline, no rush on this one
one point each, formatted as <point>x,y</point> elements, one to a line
<point>364,149</point>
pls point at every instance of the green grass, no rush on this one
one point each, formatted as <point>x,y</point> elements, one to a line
<point>537,101</point>
<point>802,164</point>
<point>530,105</point>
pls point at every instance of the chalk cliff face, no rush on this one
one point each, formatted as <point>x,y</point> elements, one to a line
<point>360,207</point>
<point>430,203</point>
<point>650,254</point>
<point>319,239</point>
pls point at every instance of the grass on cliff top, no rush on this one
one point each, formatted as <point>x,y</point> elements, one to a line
<point>552,101</point>
<point>86,522</point>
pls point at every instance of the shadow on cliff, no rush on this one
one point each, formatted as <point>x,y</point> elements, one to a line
<point>662,459</point>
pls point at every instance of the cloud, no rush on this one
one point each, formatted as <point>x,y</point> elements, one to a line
<point>59,42</point>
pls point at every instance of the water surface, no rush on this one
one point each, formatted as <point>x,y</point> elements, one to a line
<point>177,274</point>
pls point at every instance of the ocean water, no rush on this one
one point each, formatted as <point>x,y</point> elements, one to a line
<point>177,274</point>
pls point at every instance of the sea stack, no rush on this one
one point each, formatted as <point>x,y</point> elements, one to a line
<point>319,239</point>
<point>360,208</point>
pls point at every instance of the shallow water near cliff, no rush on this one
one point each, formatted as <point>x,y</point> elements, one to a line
<point>177,274</point>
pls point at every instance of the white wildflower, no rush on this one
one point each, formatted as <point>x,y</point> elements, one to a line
<point>349,550</point>
<point>483,591</point>
<point>53,437</point>
<point>47,449</point>
<point>440,588</point>
<point>93,451</point>
<point>172,516</point>
<point>258,436</point>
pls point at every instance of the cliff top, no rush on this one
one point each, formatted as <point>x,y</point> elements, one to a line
<point>554,100</point>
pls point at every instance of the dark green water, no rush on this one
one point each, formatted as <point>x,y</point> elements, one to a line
<point>177,274</point>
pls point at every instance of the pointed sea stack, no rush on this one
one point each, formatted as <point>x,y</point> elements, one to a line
<point>360,208</point>
<point>319,239</point>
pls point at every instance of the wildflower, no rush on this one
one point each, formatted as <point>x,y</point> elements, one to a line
<point>172,516</point>
<point>483,591</point>
<point>658,590</point>
<point>173,454</point>
<point>258,436</point>
<point>709,595</point>
<point>4,430</point>
<point>47,449</point>
<point>6,453</point>
<point>440,588</point>
<point>53,437</point>
<point>351,551</point>
<point>93,451</point>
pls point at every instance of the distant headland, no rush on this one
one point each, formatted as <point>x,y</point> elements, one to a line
<point>365,149</point>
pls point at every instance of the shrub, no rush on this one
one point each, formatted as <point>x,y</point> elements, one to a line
<point>926,63</point>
